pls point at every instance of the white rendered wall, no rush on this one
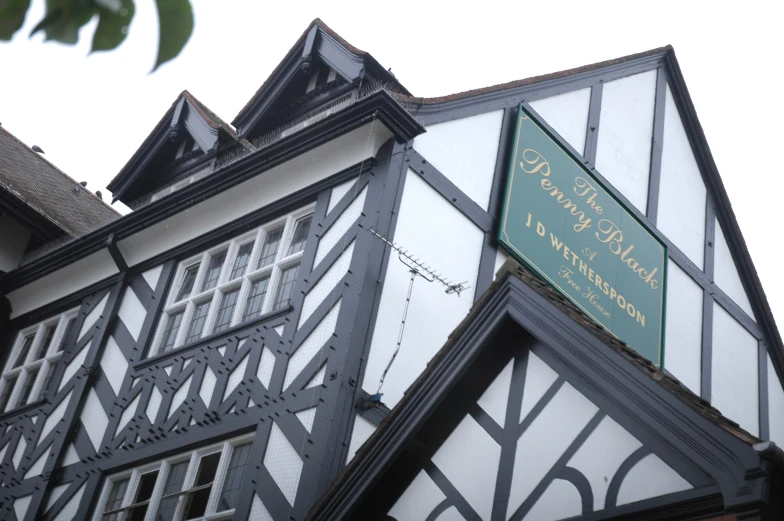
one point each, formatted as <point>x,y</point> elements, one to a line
<point>735,376</point>
<point>775,406</point>
<point>363,429</point>
<point>420,498</point>
<point>469,458</point>
<point>465,151</point>
<point>623,149</point>
<point>682,193</point>
<point>567,114</point>
<point>257,192</point>
<point>683,328</point>
<point>13,242</point>
<point>434,231</point>
<point>725,273</point>
<point>501,256</point>
<point>74,277</point>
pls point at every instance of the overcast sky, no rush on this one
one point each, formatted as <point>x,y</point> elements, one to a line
<point>90,113</point>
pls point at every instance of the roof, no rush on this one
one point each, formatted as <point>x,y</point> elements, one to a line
<point>513,270</point>
<point>666,380</point>
<point>369,60</point>
<point>209,117</point>
<point>47,191</point>
<point>534,79</point>
<point>160,134</point>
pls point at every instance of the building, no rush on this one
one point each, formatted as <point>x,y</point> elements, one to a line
<point>308,314</point>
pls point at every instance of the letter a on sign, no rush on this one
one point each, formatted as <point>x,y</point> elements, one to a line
<point>548,184</point>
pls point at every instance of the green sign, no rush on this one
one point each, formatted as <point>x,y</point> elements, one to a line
<point>560,220</point>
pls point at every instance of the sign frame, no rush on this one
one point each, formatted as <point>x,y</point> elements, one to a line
<point>524,110</point>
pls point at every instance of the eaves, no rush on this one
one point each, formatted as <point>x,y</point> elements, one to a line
<point>378,106</point>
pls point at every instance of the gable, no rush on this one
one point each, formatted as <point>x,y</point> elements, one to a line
<point>531,411</point>
<point>632,123</point>
<point>320,67</point>
<point>535,447</point>
<point>187,136</point>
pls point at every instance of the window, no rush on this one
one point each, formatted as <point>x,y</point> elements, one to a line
<point>34,354</point>
<point>234,282</point>
<point>204,483</point>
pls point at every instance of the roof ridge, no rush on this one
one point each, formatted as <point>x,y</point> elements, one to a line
<point>208,112</point>
<point>531,80</point>
<point>57,169</point>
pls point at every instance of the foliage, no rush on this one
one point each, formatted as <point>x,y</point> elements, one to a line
<point>64,18</point>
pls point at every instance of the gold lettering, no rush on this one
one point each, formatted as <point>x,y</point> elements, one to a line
<point>536,161</point>
<point>556,243</point>
<point>610,235</point>
<point>586,188</point>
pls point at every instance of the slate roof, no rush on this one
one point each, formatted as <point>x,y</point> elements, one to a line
<point>669,382</point>
<point>49,192</point>
<point>533,79</point>
<point>511,268</point>
<point>324,27</point>
<point>212,119</point>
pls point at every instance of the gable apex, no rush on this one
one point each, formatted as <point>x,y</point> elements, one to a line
<point>318,46</point>
<point>186,130</point>
<point>521,313</point>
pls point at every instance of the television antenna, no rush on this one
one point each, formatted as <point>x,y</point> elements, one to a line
<point>417,269</point>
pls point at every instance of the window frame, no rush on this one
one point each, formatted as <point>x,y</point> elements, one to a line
<point>45,364</point>
<point>251,274</point>
<point>163,466</point>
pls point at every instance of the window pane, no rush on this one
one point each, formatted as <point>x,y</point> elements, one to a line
<point>226,310</point>
<point>8,388</point>
<point>137,513</point>
<point>66,333</point>
<point>214,271</point>
<point>20,358</point>
<point>47,380</point>
<point>258,290</point>
<point>174,482</point>
<point>241,261</point>
<point>170,333</point>
<point>146,486</point>
<point>27,387</point>
<point>207,468</point>
<point>197,501</point>
<point>234,477</point>
<point>270,248</point>
<point>197,322</point>
<point>116,495</point>
<point>187,282</point>
<point>43,347</point>
<point>288,279</point>
<point>300,235</point>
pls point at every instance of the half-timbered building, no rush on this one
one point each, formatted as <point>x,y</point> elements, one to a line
<point>310,312</point>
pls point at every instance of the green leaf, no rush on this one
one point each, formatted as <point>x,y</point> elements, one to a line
<point>12,17</point>
<point>175,19</point>
<point>64,18</point>
<point>112,26</point>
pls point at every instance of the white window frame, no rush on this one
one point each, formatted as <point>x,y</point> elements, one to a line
<point>226,448</point>
<point>252,274</point>
<point>44,364</point>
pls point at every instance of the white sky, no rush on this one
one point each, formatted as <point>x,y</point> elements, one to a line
<point>90,113</point>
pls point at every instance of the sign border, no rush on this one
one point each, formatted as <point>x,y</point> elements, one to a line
<point>523,110</point>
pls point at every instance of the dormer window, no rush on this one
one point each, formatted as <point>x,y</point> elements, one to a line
<point>234,282</point>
